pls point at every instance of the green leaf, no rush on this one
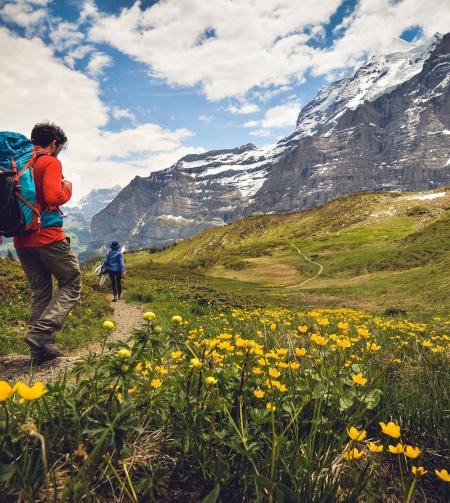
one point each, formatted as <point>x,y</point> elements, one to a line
<point>6,472</point>
<point>212,496</point>
<point>345,403</point>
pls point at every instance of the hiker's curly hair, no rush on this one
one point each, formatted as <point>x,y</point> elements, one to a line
<point>44,133</point>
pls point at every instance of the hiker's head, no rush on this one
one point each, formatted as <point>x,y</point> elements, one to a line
<point>50,137</point>
<point>115,245</point>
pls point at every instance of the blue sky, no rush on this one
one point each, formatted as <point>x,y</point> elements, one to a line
<point>136,85</point>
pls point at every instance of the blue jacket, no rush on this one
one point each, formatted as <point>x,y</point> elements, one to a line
<point>114,261</point>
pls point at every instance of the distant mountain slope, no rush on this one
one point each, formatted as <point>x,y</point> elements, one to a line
<point>77,218</point>
<point>387,128</point>
<point>377,249</point>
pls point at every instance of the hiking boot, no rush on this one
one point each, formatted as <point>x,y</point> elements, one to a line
<point>40,358</point>
<point>42,351</point>
<point>115,299</point>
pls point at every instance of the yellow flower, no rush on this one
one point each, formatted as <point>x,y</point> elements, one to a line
<point>355,434</point>
<point>443,475</point>
<point>319,340</point>
<point>273,327</point>
<point>419,470</point>
<point>342,325</point>
<point>374,447</point>
<point>412,452</point>
<point>210,380</point>
<point>5,391</point>
<point>124,354</point>
<point>391,429</point>
<point>196,363</point>
<point>323,322</point>
<point>371,346</point>
<point>256,370</point>
<point>109,325</point>
<point>156,383</point>
<point>353,454</point>
<point>259,393</point>
<point>270,406</point>
<point>398,449</point>
<point>36,391</point>
<point>426,343</point>
<point>300,351</point>
<point>149,316</point>
<point>294,365</point>
<point>343,343</point>
<point>176,320</point>
<point>274,373</point>
<point>302,328</point>
<point>359,379</point>
<point>261,361</point>
<point>363,332</point>
<point>176,355</point>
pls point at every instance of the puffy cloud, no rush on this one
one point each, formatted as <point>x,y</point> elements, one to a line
<point>98,63</point>
<point>226,47</point>
<point>231,48</point>
<point>95,156</point>
<point>277,117</point>
<point>244,108</point>
<point>28,14</point>
<point>65,35</point>
<point>122,113</point>
<point>362,34</point>
<point>205,118</point>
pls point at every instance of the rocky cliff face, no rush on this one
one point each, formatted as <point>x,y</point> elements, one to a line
<point>385,129</point>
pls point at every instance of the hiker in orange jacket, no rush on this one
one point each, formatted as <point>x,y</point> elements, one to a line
<point>47,252</point>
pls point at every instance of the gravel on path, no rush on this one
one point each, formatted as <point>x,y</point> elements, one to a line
<point>16,367</point>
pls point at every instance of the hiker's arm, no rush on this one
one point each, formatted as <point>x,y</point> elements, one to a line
<point>55,194</point>
<point>122,264</point>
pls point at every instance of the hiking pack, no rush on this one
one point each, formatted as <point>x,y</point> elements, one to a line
<point>20,213</point>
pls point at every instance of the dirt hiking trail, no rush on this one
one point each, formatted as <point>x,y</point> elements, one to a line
<point>16,367</point>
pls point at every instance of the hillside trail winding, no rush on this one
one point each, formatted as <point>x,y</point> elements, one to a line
<point>16,367</point>
<point>308,260</point>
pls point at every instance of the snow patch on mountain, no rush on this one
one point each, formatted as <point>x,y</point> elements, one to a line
<point>379,76</point>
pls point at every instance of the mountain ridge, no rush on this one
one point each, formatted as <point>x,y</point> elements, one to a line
<point>396,142</point>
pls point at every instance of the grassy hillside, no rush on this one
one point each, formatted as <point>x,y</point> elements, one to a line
<point>378,251</point>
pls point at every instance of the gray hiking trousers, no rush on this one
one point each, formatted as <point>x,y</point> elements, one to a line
<point>49,309</point>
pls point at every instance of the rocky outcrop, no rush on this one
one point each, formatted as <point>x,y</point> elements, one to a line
<point>385,129</point>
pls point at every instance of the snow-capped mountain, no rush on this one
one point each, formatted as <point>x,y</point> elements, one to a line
<point>387,128</point>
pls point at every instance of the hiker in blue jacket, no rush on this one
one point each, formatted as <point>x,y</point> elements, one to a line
<point>115,265</point>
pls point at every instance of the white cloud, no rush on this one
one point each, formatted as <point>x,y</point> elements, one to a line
<point>79,53</point>
<point>205,118</point>
<point>277,117</point>
<point>226,47</point>
<point>244,108</point>
<point>27,14</point>
<point>233,48</point>
<point>71,100</point>
<point>363,35</point>
<point>65,35</point>
<point>98,63</point>
<point>122,113</point>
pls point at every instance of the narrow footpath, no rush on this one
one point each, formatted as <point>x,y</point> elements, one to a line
<point>320,266</point>
<point>16,367</point>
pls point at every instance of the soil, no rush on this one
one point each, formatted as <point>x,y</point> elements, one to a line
<point>16,367</point>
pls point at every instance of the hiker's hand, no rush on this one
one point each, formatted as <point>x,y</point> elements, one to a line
<point>124,273</point>
<point>65,184</point>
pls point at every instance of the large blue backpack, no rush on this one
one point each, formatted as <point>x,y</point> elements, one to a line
<point>20,212</point>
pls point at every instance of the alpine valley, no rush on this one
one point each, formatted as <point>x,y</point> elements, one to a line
<point>386,129</point>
